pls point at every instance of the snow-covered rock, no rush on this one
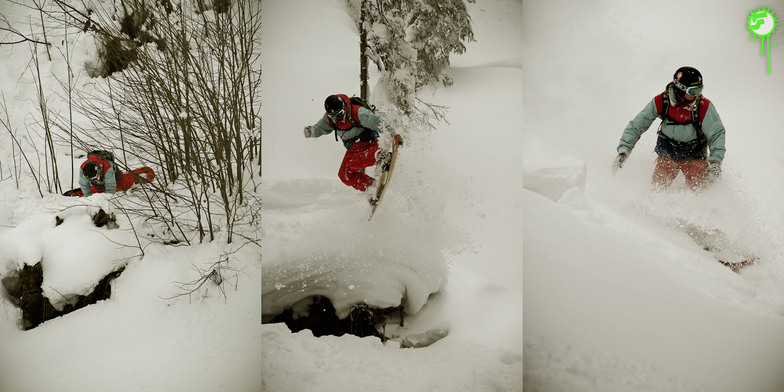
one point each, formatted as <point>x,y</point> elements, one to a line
<point>74,254</point>
<point>319,242</point>
<point>554,178</point>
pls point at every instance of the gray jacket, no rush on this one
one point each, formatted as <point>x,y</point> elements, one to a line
<point>108,182</point>
<point>681,133</point>
<point>368,128</point>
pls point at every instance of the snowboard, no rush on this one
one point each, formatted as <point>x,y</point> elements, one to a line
<point>384,179</point>
<point>716,243</point>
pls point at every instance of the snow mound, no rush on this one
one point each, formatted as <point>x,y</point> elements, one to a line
<point>318,241</point>
<point>75,255</point>
<point>368,365</point>
<point>555,178</point>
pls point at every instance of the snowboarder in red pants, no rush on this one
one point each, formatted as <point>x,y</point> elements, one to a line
<point>359,128</point>
<point>100,174</point>
<point>690,126</point>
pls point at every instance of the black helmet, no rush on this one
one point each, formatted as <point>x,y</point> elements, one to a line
<point>90,169</point>
<point>688,80</point>
<point>333,104</point>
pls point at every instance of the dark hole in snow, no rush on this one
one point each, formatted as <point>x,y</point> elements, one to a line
<point>23,289</point>
<point>319,316</point>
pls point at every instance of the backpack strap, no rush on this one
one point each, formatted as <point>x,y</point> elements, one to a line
<point>352,114</point>
<point>665,105</point>
<point>696,120</point>
<point>697,114</point>
<point>353,117</point>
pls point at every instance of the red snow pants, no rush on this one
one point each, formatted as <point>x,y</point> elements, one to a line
<point>359,156</point>
<point>667,169</point>
<point>124,183</point>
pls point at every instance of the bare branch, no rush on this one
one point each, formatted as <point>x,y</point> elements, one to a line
<point>22,38</point>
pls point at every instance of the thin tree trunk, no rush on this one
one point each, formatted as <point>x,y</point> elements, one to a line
<point>363,59</point>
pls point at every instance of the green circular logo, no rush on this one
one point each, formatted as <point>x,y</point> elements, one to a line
<point>762,23</point>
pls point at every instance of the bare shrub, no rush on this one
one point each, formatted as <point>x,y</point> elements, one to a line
<point>188,108</point>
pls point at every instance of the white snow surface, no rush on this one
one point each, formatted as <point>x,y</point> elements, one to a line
<point>617,296</point>
<point>145,337</point>
<point>446,241</point>
<point>513,214</point>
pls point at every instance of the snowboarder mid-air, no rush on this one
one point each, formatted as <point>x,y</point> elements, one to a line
<point>359,128</point>
<point>690,126</point>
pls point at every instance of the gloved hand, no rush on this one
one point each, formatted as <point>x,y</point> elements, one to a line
<point>712,172</point>
<point>619,160</point>
<point>308,131</point>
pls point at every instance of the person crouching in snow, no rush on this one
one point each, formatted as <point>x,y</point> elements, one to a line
<point>98,175</point>
<point>359,129</point>
<point>690,126</point>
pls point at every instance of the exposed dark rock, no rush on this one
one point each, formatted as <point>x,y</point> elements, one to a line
<point>322,319</point>
<point>23,288</point>
<point>101,219</point>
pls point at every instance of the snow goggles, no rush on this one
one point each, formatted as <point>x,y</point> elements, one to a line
<point>336,114</point>
<point>693,90</point>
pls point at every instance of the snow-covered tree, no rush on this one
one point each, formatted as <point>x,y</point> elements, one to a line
<point>410,42</point>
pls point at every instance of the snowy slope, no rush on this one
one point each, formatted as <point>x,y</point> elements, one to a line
<point>617,295</point>
<point>449,222</point>
<point>146,336</point>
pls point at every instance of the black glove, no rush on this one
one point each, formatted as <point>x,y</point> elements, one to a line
<point>619,160</point>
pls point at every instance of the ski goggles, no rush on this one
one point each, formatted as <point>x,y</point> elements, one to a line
<point>693,90</point>
<point>336,114</point>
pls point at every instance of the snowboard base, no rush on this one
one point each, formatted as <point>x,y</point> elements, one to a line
<point>384,178</point>
<point>720,247</point>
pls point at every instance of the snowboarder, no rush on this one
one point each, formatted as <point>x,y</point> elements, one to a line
<point>690,126</point>
<point>98,175</point>
<point>359,128</point>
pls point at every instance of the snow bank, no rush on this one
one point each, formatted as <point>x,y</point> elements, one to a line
<point>318,241</point>
<point>75,254</point>
<point>366,364</point>
<point>144,336</point>
<point>628,296</point>
<point>556,178</point>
